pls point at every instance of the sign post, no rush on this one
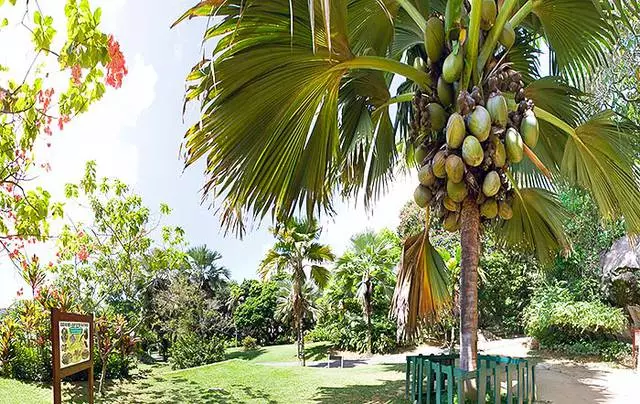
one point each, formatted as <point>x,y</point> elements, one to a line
<point>72,349</point>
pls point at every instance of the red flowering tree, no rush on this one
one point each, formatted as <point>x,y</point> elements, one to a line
<point>33,111</point>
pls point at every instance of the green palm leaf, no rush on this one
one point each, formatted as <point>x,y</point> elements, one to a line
<point>536,224</point>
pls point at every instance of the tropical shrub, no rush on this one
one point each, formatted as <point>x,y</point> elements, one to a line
<point>190,350</point>
<point>249,343</point>
<point>30,363</point>
<point>555,318</point>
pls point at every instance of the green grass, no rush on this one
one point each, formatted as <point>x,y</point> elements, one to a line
<point>248,378</point>
<point>315,351</point>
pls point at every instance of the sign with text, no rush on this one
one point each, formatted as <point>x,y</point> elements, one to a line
<point>74,342</point>
<point>72,348</point>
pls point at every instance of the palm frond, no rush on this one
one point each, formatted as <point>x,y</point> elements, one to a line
<point>600,157</point>
<point>536,224</point>
<point>422,285</point>
<point>578,32</point>
<point>524,55</point>
<point>320,276</point>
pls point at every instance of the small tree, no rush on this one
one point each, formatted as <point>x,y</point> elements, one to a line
<point>297,254</point>
<point>369,263</point>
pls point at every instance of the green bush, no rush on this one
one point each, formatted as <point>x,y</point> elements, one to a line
<point>555,317</point>
<point>249,343</point>
<point>118,365</point>
<point>612,351</point>
<point>190,350</point>
<point>30,363</point>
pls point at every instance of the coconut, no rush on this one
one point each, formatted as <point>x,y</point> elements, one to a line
<point>479,123</point>
<point>438,164</point>
<point>434,39</point>
<point>418,64</point>
<point>457,191</point>
<point>491,184</point>
<point>425,175</point>
<point>455,131</point>
<point>489,11</point>
<point>529,129</point>
<point>451,222</point>
<point>497,107</point>
<point>513,144</point>
<point>420,155</point>
<point>472,153</point>
<point>504,210</point>
<point>437,116</point>
<point>499,153</point>
<point>489,208</point>
<point>422,195</point>
<point>452,67</point>
<point>508,36</point>
<point>445,92</point>
<point>450,204</point>
<point>454,168</point>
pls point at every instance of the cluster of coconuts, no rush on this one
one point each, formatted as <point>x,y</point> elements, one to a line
<point>464,141</point>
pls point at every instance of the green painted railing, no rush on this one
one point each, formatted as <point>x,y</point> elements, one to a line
<point>435,379</point>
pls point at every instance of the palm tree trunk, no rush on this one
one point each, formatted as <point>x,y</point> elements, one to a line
<point>470,242</point>
<point>301,343</point>
<point>368,310</point>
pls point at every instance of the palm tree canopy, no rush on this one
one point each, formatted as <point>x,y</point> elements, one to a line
<point>300,101</point>
<point>297,253</point>
<point>203,263</point>
<point>371,257</point>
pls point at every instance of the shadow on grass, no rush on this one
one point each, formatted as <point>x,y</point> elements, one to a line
<point>389,391</point>
<point>317,353</point>
<point>246,355</point>
<point>163,390</point>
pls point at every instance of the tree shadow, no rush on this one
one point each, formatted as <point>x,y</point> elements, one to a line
<point>255,394</point>
<point>245,355</point>
<point>317,353</point>
<point>390,391</point>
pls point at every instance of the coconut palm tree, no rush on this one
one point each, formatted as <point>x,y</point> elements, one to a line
<point>300,257</point>
<point>369,263</point>
<point>303,99</point>
<point>205,269</point>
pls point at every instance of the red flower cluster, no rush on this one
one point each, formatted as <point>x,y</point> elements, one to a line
<point>83,254</point>
<point>76,74</point>
<point>44,98</point>
<point>64,119</point>
<point>116,68</point>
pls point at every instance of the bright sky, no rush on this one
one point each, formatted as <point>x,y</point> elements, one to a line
<point>134,133</point>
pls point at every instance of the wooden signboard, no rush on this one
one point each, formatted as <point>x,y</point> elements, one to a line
<point>72,348</point>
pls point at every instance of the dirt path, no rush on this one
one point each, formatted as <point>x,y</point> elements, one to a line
<point>558,381</point>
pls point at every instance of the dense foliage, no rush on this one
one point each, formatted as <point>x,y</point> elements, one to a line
<point>191,349</point>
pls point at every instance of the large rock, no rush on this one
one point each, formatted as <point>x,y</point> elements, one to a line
<point>621,272</point>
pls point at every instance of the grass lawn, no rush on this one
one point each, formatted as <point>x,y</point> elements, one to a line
<point>249,377</point>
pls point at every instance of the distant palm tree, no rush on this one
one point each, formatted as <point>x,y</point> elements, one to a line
<point>298,255</point>
<point>287,301</point>
<point>205,269</point>
<point>369,262</point>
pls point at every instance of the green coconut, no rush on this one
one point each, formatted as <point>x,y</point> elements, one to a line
<point>434,39</point>
<point>425,175</point>
<point>445,92</point>
<point>508,36</point>
<point>529,129</point>
<point>457,191</point>
<point>420,155</point>
<point>450,204</point>
<point>491,184</point>
<point>422,195</point>
<point>504,210</point>
<point>472,153</point>
<point>499,153</point>
<point>437,116</point>
<point>514,146</point>
<point>489,12</point>
<point>497,107</point>
<point>451,222</point>
<point>452,67</point>
<point>489,208</point>
<point>479,123</point>
<point>418,64</point>
<point>455,131</point>
<point>454,167</point>
<point>438,164</point>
